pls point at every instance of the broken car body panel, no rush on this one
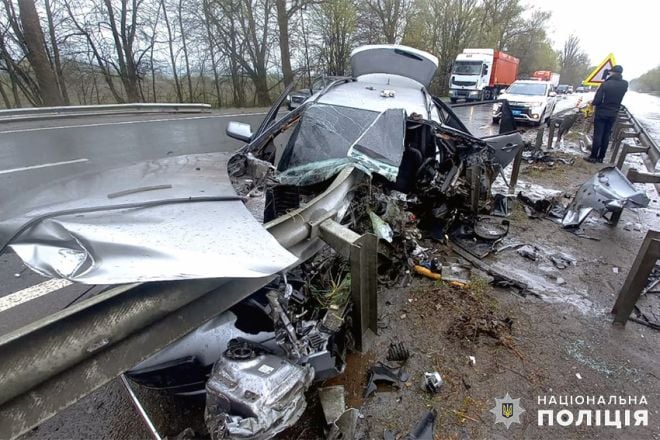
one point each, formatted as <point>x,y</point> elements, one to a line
<point>608,191</point>
<point>166,219</point>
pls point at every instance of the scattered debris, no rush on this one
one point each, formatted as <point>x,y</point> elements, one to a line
<point>397,352</point>
<point>383,373</point>
<point>332,402</point>
<point>424,430</point>
<point>528,251</point>
<point>345,426</point>
<point>432,382</point>
<point>472,360</point>
<point>609,191</point>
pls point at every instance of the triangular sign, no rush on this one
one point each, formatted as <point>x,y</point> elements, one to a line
<point>599,74</point>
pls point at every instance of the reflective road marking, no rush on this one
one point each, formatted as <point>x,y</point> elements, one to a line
<point>43,165</point>
<point>17,298</point>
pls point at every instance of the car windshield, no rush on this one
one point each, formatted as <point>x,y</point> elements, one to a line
<point>329,137</point>
<point>527,89</point>
<point>467,68</point>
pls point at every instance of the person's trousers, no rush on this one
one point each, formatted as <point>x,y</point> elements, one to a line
<point>602,131</point>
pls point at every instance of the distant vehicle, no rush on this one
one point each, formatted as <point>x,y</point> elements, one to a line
<point>582,89</point>
<point>295,98</point>
<point>562,89</point>
<point>530,100</point>
<point>480,74</point>
<point>570,89</point>
<point>546,75</point>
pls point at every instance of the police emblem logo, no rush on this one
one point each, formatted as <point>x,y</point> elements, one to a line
<point>507,410</point>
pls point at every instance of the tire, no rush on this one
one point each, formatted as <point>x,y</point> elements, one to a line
<point>496,120</point>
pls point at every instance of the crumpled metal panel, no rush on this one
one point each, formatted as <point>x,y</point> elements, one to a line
<point>187,240</point>
<point>608,191</point>
<point>255,399</point>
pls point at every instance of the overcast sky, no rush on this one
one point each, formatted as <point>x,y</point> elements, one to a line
<point>630,29</point>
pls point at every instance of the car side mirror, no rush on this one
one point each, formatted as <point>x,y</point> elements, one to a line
<point>240,131</point>
<point>552,94</point>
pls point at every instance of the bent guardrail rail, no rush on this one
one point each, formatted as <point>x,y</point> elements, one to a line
<point>42,113</point>
<point>52,363</point>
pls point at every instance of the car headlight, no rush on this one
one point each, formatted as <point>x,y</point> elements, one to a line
<point>474,93</point>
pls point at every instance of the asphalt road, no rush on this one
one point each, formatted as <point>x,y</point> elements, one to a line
<point>34,154</point>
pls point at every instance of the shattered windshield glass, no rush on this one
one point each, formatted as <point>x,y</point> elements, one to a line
<point>330,137</point>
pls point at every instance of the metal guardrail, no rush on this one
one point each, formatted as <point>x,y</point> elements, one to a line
<point>627,127</point>
<point>39,113</point>
<point>52,363</point>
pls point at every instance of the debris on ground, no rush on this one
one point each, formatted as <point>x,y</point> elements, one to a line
<point>432,382</point>
<point>397,352</point>
<point>381,373</point>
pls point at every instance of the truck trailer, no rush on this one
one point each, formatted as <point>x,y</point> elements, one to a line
<point>480,74</point>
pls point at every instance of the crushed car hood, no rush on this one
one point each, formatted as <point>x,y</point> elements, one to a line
<point>166,219</point>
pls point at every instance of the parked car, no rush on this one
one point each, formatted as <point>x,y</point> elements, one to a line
<point>530,100</point>
<point>297,97</point>
<point>582,89</point>
<point>562,89</point>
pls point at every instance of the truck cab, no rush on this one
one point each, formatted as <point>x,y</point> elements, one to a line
<point>480,74</point>
<point>470,74</point>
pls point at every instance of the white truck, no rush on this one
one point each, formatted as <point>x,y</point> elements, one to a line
<point>480,74</point>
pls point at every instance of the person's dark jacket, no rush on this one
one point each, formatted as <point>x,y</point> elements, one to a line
<point>609,95</point>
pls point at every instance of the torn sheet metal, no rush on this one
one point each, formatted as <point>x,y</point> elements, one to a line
<point>166,219</point>
<point>255,397</point>
<point>607,191</point>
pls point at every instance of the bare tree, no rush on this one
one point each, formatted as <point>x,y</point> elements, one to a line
<point>334,22</point>
<point>574,63</point>
<point>384,19</point>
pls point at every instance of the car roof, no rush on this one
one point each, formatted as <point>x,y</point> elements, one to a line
<point>367,95</point>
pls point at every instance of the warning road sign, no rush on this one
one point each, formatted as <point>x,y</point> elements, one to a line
<point>599,74</point>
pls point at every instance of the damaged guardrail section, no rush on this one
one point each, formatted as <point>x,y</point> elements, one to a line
<point>54,362</point>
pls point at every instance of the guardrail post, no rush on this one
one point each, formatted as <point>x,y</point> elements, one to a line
<point>551,134</point>
<point>362,253</point>
<point>639,273</point>
<point>639,177</point>
<point>617,146</point>
<point>626,150</point>
<point>539,138</point>
<point>515,169</point>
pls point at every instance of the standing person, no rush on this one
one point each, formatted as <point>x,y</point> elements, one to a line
<point>607,102</point>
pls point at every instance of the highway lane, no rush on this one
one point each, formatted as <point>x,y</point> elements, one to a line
<point>33,156</point>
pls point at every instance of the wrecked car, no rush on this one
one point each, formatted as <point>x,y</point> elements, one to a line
<point>376,145</point>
